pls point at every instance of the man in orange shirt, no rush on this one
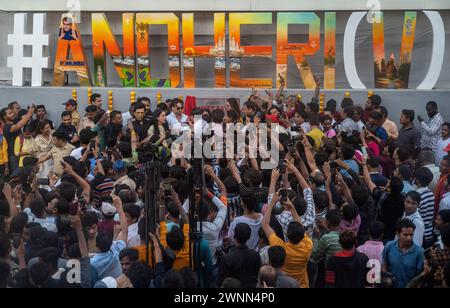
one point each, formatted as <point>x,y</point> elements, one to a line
<point>177,239</point>
<point>299,247</point>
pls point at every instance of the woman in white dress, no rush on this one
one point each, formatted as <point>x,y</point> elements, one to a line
<point>44,143</point>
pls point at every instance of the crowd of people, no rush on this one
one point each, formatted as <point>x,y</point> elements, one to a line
<point>356,200</point>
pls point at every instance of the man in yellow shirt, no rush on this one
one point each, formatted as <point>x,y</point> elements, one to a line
<point>315,132</point>
<point>298,248</point>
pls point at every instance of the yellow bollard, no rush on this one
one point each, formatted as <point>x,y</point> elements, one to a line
<point>132,97</point>
<point>181,97</point>
<point>347,94</point>
<point>369,94</point>
<point>158,98</point>
<point>110,100</point>
<point>74,94</point>
<point>322,103</point>
<point>299,98</point>
<point>89,96</point>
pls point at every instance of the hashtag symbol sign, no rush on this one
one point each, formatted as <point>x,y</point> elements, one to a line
<point>38,40</point>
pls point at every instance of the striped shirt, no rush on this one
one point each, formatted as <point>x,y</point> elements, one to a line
<point>102,189</point>
<point>426,210</point>
<point>326,247</point>
<point>431,132</point>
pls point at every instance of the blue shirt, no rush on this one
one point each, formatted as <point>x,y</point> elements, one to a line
<point>403,265</point>
<point>352,165</point>
<point>407,187</point>
<point>381,133</point>
<point>107,264</point>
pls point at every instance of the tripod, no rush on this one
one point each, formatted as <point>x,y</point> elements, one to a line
<point>197,182</point>
<point>152,179</point>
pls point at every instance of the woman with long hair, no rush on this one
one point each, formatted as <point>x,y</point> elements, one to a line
<point>159,133</point>
<point>232,105</point>
<point>44,143</point>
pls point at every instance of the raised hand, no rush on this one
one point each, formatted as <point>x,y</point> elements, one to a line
<point>275,174</point>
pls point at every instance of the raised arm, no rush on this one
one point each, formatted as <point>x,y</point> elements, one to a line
<point>309,155</point>
<point>317,89</point>
<point>273,181</point>
<point>345,189</point>
<point>123,236</point>
<point>25,119</point>
<point>367,178</point>
<point>234,171</point>
<point>268,215</point>
<point>301,180</point>
<point>184,216</point>
<point>210,172</point>
<point>327,173</point>
<point>310,214</point>
<point>86,193</point>
<point>85,155</point>
<point>281,88</point>
<point>7,192</point>
<point>157,248</point>
<point>350,171</point>
<point>270,95</point>
<point>290,206</point>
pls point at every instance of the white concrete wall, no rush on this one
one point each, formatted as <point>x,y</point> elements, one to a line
<point>394,100</point>
<point>219,5</point>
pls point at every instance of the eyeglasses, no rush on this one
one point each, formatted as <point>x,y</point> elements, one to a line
<point>179,108</point>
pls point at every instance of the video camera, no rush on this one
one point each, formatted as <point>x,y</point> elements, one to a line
<point>148,152</point>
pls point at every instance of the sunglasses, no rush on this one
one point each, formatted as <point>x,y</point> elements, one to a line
<point>179,108</point>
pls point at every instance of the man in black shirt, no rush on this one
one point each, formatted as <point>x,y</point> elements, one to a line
<point>241,263</point>
<point>147,103</point>
<point>389,203</point>
<point>69,131</point>
<point>12,130</point>
<point>140,124</point>
<point>113,129</point>
<point>409,136</point>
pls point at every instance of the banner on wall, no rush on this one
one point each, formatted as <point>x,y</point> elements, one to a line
<point>133,62</point>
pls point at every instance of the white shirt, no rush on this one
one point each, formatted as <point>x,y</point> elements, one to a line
<point>254,224</point>
<point>200,127</point>
<point>177,126</point>
<point>211,229</point>
<point>420,227</point>
<point>133,236</point>
<point>440,147</point>
<point>77,153</point>
<point>218,130</point>
<point>125,118</point>
<point>47,223</point>
<point>360,125</point>
<point>445,202</point>
<point>436,176</point>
